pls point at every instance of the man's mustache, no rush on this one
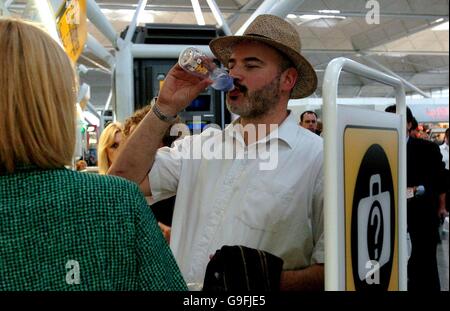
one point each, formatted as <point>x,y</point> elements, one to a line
<point>240,87</point>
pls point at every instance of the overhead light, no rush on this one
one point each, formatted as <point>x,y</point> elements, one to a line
<point>329,11</point>
<point>198,12</point>
<point>394,54</point>
<point>312,16</point>
<point>438,20</point>
<point>443,26</point>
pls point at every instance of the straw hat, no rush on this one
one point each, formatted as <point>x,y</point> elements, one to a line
<point>281,35</point>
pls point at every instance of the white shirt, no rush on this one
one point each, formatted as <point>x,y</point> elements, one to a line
<point>234,202</point>
<point>444,152</point>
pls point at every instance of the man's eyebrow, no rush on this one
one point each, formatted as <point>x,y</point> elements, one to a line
<point>253,59</point>
<point>247,59</point>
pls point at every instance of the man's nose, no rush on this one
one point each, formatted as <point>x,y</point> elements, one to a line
<point>236,74</point>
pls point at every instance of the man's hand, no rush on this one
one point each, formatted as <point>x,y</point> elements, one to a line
<point>166,230</point>
<point>311,278</point>
<point>442,211</point>
<point>179,90</point>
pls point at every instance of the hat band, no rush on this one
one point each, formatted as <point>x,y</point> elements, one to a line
<point>257,35</point>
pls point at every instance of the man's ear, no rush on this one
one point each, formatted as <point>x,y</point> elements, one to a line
<point>288,79</point>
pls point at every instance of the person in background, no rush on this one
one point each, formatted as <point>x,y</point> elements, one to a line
<point>414,131</point>
<point>62,229</point>
<point>223,201</point>
<point>131,123</point>
<point>424,210</point>
<point>319,127</point>
<point>80,165</point>
<point>444,151</point>
<point>109,142</point>
<point>308,120</point>
<point>91,157</point>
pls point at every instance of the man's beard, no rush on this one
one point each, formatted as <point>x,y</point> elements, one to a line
<point>259,102</point>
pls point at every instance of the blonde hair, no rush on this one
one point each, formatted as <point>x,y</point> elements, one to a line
<point>107,140</point>
<point>37,98</point>
<point>80,165</point>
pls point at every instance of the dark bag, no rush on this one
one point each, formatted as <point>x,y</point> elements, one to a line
<point>239,268</point>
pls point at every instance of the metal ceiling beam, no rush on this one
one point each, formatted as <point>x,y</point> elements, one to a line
<point>407,84</point>
<point>93,62</point>
<point>283,8</point>
<point>247,8</point>
<point>242,10</point>
<point>144,50</point>
<point>359,91</point>
<point>124,89</point>
<point>382,14</point>
<point>262,9</point>
<point>165,8</point>
<point>4,5</point>
<point>97,18</point>
<point>132,27</point>
<point>375,52</point>
<point>164,50</point>
<point>123,81</point>
<point>401,34</point>
<point>221,22</point>
<point>369,52</point>
<point>274,7</point>
<point>99,51</point>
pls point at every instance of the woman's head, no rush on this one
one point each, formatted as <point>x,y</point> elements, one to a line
<point>80,165</point>
<point>132,122</point>
<point>37,98</point>
<point>109,142</point>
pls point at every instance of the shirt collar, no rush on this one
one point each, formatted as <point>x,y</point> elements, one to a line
<point>287,131</point>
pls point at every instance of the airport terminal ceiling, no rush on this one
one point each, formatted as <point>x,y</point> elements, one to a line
<point>411,38</point>
<point>362,149</point>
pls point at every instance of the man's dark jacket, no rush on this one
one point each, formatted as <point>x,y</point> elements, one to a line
<point>424,167</point>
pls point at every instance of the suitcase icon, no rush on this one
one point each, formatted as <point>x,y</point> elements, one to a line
<point>374,227</point>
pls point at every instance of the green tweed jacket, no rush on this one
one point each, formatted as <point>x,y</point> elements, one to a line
<point>64,230</point>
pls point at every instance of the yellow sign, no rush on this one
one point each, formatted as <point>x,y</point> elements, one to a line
<point>72,27</point>
<point>371,208</point>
